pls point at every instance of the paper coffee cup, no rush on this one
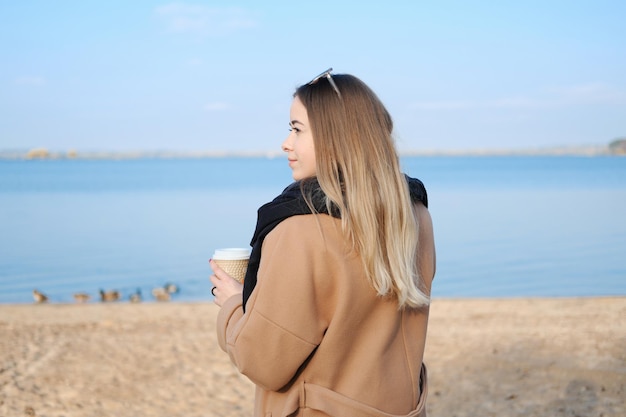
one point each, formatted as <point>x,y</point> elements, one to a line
<point>234,261</point>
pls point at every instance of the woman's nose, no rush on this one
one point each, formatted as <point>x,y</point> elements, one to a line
<point>286,145</point>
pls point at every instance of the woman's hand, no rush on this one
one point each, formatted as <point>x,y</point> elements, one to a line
<point>224,286</point>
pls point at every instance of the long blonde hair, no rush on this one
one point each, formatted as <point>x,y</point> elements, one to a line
<point>359,171</point>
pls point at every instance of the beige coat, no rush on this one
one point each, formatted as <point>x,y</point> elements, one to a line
<point>316,339</point>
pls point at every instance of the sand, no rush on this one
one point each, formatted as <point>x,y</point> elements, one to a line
<point>486,357</point>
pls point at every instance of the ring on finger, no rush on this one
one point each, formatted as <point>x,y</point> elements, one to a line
<point>213,291</point>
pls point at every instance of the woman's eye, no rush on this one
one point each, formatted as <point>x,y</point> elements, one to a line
<point>294,129</point>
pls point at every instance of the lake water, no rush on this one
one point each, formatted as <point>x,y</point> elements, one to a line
<point>505,226</point>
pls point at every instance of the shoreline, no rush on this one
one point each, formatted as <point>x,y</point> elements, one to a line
<point>45,154</point>
<point>209,300</point>
<point>507,357</point>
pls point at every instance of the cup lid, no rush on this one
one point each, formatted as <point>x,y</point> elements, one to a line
<point>231,253</point>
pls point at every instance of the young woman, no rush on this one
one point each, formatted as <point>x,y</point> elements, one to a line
<point>331,320</point>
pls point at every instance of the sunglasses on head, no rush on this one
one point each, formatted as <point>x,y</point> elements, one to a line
<point>326,74</point>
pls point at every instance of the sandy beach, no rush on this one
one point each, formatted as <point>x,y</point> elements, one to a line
<point>486,357</point>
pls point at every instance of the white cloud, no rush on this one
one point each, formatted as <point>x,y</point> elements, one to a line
<point>576,95</point>
<point>511,102</point>
<point>592,93</point>
<point>205,20</point>
<point>443,105</point>
<point>30,80</point>
<point>194,62</point>
<point>217,106</point>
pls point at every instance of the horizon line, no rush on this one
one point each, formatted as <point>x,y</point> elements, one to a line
<point>44,153</point>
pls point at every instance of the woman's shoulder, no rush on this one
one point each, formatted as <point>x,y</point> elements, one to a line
<point>310,228</point>
<point>426,246</point>
<point>313,234</point>
<point>417,190</point>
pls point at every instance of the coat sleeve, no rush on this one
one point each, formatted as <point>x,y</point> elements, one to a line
<point>284,322</point>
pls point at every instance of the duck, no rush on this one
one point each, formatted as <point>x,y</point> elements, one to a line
<point>160,294</point>
<point>112,295</point>
<point>171,288</point>
<point>39,297</point>
<point>81,297</point>
<point>135,297</point>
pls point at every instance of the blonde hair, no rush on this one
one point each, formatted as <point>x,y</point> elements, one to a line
<point>359,172</point>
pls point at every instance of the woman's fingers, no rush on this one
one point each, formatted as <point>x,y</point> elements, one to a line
<point>224,286</point>
<point>219,272</point>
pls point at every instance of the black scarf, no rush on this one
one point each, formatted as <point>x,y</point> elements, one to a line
<point>291,203</point>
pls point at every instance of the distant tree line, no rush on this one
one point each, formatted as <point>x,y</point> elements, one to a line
<point>618,146</point>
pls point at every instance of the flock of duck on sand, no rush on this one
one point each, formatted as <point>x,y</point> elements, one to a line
<point>163,293</point>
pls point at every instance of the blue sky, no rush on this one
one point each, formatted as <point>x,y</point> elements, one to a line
<point>213,76</point>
